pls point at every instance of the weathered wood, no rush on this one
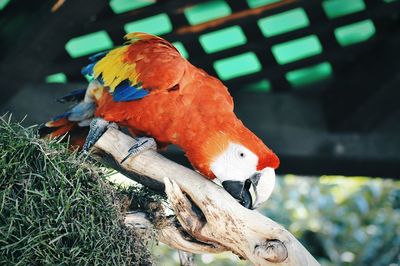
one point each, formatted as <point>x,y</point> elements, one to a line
<point>223,222</point>
<point>170,233</point>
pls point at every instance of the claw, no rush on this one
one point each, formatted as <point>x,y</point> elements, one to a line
<point>97,127</point>
<point>142,144</point>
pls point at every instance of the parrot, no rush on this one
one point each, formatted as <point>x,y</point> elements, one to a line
<point>147,87</point>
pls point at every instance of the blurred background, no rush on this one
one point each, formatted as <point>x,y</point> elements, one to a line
<point>317,80</point>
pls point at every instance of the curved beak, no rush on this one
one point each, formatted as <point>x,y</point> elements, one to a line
<point>263,186</point>
<point>238,190</point>
<point>253,191</point>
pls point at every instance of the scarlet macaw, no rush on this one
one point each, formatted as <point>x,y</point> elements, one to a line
<point>149,88</point>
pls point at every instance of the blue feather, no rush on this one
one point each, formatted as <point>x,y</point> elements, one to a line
<point>125,92</point>
<point>88,70</point>
<point>140,94</point>
<point>60,116</point>
<point>82,111</point>
<point>79,112</point>
<point>98,56</point>
<point>75,95</point>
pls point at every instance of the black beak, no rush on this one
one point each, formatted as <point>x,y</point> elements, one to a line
<point>240,191</point>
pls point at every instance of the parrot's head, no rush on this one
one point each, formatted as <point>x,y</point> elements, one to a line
<point>243,164</point>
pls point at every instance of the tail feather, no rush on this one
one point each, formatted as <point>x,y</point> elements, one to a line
<point>57,122</point>
<point>76,95</point>
<point>75,134</point>
<point>56,128</point>
<point>62,130</point>
<point>75,122</point>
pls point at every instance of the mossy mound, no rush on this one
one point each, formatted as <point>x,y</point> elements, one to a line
<point>57,209</point>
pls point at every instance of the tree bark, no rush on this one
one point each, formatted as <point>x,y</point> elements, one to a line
<point>215,221</point>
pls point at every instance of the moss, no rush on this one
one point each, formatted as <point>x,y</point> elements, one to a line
<point>57,208</point>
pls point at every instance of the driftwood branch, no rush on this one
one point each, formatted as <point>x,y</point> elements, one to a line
<point>213,219</point>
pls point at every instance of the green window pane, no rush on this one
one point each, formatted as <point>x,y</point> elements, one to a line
<point>88,77</point>
<point>309,75</point>
<point>337,8</point>
<point>207,11</point>
<point>88,44</point>
<point>354,33</point>
<point>181,49</point>
<point>238,65</point>
<point>222,39</point>
<point>283,22</point>
<point>3,3</point>
<point>157,25</point>
<point>121,6</point>
<point>258,3</point>
<point>259,86</point>
<point>56,78</point>
<point>297,49</point>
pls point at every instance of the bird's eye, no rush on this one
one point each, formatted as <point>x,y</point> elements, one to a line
<point>242,154</point>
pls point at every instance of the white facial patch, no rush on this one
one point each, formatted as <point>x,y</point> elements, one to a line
<point>235,163</point>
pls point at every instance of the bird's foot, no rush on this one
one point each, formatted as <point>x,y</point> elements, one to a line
<point>97,128</point>
<point>142,144</point>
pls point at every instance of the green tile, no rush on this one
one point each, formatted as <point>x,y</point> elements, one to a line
<point>258,3</point>
<point>157,25</point>
<point>181,48</point>
<point>309,75</point>
<point>238,65</point>
<point>337,8</point>
<point>259,86</point>
<point>355,33</point>
<point>207,11</point>
<point>296,49</point>
<point>88,44</point>
<point>56,78</point>
<point>88,77</point>
<point>284,22</point>
<point>121,6</point>
<point>4,3</point>
<point>222,39</point>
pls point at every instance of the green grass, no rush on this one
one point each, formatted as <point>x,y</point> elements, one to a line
<point>57,208</point>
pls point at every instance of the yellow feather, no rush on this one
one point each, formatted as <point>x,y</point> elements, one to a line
<point>131,37</point>
<point>114,70</point>
<point>137,36</point>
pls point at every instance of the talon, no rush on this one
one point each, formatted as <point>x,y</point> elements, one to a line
<point>97,128</point>
<point>142,144</point>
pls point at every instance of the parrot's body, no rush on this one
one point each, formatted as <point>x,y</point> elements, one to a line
<point>149,88</point>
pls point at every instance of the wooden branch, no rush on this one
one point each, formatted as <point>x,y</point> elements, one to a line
<point>207,212</point>
<point>170,234</point>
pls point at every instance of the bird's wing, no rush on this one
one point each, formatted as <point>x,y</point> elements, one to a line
<point>145,64</point>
